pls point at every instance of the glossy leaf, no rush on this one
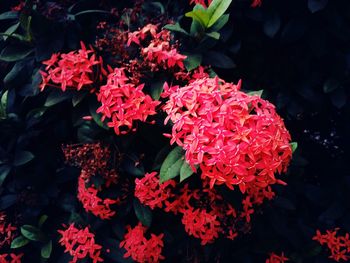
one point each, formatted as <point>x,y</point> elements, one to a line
<point>143,213</point>
<point>171,165</point>
<point>19,241</point>
<point>216,9</point>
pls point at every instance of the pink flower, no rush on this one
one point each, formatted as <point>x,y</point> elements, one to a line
<point>235,138</point>
<point>124,103</point>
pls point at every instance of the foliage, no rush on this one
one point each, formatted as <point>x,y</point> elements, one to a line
<point>296,51</point>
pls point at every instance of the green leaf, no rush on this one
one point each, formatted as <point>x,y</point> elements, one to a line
<point>176,28</point>
<point>97,116</point>
<point>157,89</point>
<point>15,71</point>
<point>12,29</point>
<point>22,157</point>
<point>331,85</point>
<point>19,241</point>
<point>143,213</point>
<point>12,53</point>
<point>92,12</point>
<point>197,29</point>
<point>56,97</point>
<point>185,171</point>
<point>272,25</point>
<point>42,220</point>
<point>3,105</point>
<point>46,250</point>
<point>9,15</point>
<point>214,35</point>
<point>77,98</point>
<point>33,233</point>
<point>218,59</point>
<point>294,146</point>
<point>220,23</point>
<point>192,61</point>
<point>256,93</point>
<point>4,172</point>
<point>200,14</point>
<point>216,9</point>
<point>172,165</point>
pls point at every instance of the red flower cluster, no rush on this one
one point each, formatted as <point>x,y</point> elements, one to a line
<point>205,214</point>
<point>150,192</point>
<point>141,249</point>
<point>93,159</point>
<point>274,258</point>
<point>159,52</point>
<point>339,246</point>
<point>74,69</point>
<point>124,103</point>
<point>80,243</point>
<point>94,204</point>
<point>237,139</point>
<point>7,231</point>
<point>201,2</point>
<point>11,258</point>
<point>201,224</point>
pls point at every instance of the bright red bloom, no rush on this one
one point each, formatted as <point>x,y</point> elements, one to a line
<point>274,258</point>
<point>150,192</point>
<point>94,204</point>
<point>201,224</point>
<point>80,243</point>
<point>74,69</point>
<point>338,245</point>
<point>204,3</point>
<point>11,258</point>
<point>235,138</point>
<point>141,249</point>
<point>256,3</point>
<point>7,231</point>
<point>124,103</point>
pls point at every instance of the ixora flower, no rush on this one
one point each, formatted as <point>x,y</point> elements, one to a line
<point>7,231</point>
<point>72,70</point>
<point>11,258</point>
<point>274,258</point>
<point>235,138</point>
<point>124,103</point>
<point>141,249</point>
<point>338,245</point>
<point>80,243</point>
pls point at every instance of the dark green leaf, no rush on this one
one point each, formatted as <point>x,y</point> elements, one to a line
<point>3,105</point>
<point>12,29</point>
<point>92,12</point>
<point>216,9</point>
<point>172,164</point>
<point>157,89</point>
<point>22,157</point>
<point>46,250</point>
<point>19,241</point>
<point>56,97</point>
<point>222,21</point>
<point>218,59</point>
<point>143,213</point>
<point>316,5</point>
<point>176,28</point>
<point>77,98</point>
<point>9,15</point>
<point>192,61</point>
<point>33,233</point>
<point>4,171</point>
<point>14,72</point>
<point>97,116</point>
<point>330,85</point>
<point>42,220</point>
<point>13,53</point>
<point>272,25</point>
<point>7,200</point>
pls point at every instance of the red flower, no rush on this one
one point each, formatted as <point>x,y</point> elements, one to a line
<point>11,258</point>
<point>141,249</point>
<point>235,138</point>
<point>74,69</point>
<point>7,231</point>
<point>339,246</point>
<point>274,258</point>
<point>124,103</point>
<point>150,192</point>
<point>201,224</point>
<point>201,2</point>
<point>80,243</point>
<point>94,204</point>
<point>256,3</point>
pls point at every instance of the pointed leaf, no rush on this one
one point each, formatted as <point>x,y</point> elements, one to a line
<point>19,241</point>
<point>185,171</point>
<point>171,165</point>
<point>46,250</point>
<point>143,213</point>
<point>176,28</point>
<point>216,9</point>
<point>294,146</point>
<point>32,233</point>
<point>22,157</point>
